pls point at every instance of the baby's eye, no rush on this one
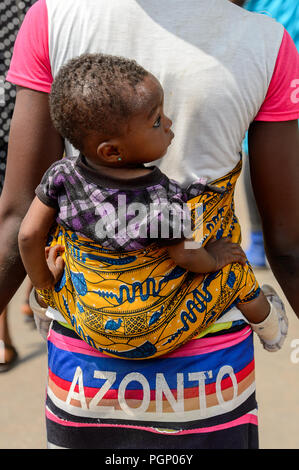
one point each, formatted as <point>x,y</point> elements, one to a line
<point>158,122</point>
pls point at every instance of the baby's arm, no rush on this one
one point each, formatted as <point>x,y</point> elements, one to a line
<point>214,256</point>
<point>32,240</point>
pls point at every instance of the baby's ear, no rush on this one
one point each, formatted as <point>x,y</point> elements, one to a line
<point>109,152</point>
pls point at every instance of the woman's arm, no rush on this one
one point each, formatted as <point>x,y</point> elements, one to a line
<point>33,146</point>
<point>32,242</point>
<point>274,167</point>
<point>214,256</point>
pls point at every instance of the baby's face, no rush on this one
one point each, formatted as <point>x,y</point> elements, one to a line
<point>148,134</point>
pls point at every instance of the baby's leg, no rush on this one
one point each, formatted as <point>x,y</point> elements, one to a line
<point>267,317</point>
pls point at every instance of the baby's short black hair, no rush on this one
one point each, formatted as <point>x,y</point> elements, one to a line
<point>94,93</point>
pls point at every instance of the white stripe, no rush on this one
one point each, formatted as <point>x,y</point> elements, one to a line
<point>161,417</point>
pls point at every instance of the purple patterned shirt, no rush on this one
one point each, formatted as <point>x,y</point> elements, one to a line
<point>119,214</point>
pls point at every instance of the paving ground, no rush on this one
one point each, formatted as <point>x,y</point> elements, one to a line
<point>22,390</point>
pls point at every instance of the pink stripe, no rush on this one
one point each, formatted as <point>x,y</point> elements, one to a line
<point>73,345</point>
<point>246,419</point>
<point>192,348</point>
<point>207,345</point>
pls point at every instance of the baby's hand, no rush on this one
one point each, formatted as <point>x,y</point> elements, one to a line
<point>55,262</point>
<point>225,252</point>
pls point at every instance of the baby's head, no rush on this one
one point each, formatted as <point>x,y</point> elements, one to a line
<point>111,109</point>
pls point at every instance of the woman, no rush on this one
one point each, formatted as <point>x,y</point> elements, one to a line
<point>216,81</point>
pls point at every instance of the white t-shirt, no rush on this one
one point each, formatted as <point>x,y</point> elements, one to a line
<point>214,60</point>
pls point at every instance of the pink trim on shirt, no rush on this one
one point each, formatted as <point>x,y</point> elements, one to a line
<point>282,100</point>
<point>30,65</point>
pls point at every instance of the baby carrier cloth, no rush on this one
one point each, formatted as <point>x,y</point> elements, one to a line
<point>139,304</point>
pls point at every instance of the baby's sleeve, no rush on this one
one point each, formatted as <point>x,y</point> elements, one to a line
<point>51,185</point>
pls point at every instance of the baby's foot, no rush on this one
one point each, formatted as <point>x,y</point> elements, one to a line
<point>273,330</point>
<point>41,320</point>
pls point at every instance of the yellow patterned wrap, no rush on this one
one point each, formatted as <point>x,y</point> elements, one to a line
<point>139,304</point>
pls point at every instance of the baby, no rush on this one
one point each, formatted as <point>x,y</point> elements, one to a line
<point>111,110</point>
